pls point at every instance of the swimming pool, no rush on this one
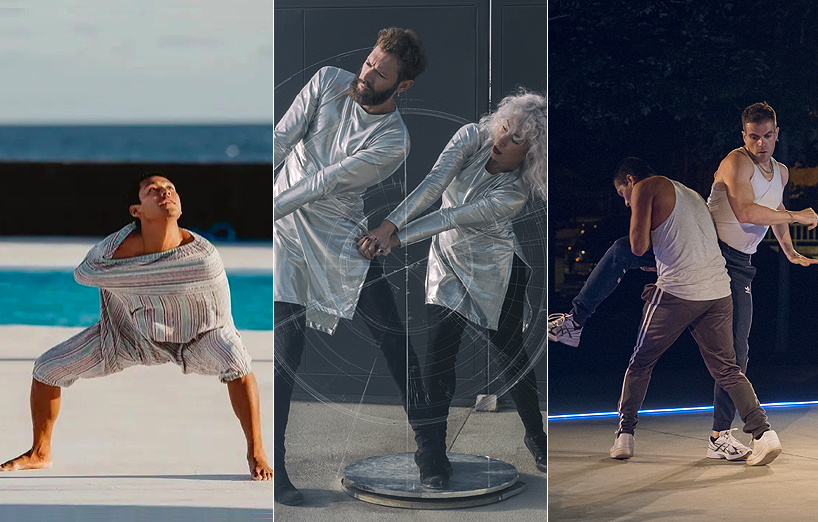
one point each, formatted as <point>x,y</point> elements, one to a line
<point>53,298</point>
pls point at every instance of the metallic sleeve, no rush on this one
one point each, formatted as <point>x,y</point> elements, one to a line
<point>359,171</point>
<point>293,126</point>
<point>462,145</point>
<point>499,206</point>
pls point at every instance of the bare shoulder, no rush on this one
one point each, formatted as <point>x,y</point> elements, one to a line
<point>735,165</point>
<point>187,237</point>
<point>650,192</point>
<point>655,185</point>
<point>131,246</point>
<point>785,173</point>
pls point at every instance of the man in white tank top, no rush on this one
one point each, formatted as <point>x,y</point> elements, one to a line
<point>692,290</point>
<point>745,200</point>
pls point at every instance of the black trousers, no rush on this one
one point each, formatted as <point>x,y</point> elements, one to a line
<point>446,329</point>
<point>377,307</point>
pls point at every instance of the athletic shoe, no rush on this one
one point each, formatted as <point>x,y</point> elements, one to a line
<point>561,328</point>
<point>727,447</point>
<point>623,446</point>
<point>538,446</point>
<point>765,449</point>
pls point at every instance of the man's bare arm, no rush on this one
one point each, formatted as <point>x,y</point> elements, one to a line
<point>782,234</point>
<point>735,172</point>
<point>641,210</point>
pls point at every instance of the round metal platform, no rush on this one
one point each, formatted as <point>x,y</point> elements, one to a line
<point>393,480</point>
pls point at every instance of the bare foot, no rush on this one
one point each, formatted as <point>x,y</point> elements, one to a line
<point>259,468</point>
<point>28,460</point>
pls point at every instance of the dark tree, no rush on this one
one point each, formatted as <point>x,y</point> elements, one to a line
<point>667,80</point>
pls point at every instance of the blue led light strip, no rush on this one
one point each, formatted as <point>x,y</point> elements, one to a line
<point>673,411</point>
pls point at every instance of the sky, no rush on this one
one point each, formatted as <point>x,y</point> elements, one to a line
<point>106,62</point>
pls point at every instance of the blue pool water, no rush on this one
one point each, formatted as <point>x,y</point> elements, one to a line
<point>138,143</point>
<point>55,299</point>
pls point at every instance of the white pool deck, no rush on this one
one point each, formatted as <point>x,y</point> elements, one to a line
<point>144,444</point>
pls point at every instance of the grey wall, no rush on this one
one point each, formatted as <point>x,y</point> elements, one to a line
<point>455,89</point>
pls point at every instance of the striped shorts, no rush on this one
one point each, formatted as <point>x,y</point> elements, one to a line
<point>83,356</point>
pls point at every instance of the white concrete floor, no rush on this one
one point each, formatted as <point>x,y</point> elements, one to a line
<point>144,444</point>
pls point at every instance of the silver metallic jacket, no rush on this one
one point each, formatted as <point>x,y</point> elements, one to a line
<point>473,241</point>
<point>334,150</point>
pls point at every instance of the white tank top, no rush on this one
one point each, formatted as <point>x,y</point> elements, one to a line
<point>745,237</point>
<point>689,263</point>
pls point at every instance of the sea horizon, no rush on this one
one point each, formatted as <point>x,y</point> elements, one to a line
<point>137,142</point>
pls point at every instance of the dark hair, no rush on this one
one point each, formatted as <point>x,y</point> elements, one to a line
<point>636,167</point>
<point>136,188</point>
<point>406,47</point>
<point>758,113</point>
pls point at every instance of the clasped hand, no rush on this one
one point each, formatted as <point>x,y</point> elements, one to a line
<point>378,242</point>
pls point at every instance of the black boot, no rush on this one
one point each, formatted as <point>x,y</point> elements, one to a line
<point>538,446</point>
<point>284,492</point>
<point>432,470</point>
<point>441,433</point>
<point>446,464</point>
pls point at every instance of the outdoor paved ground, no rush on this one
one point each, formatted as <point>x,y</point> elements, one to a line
<point>153,444</point>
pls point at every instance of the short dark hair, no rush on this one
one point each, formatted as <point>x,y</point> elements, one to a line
<point>136,186</point>
<point>758,113</point>
<point>406,47</point>
<point>637,168</point>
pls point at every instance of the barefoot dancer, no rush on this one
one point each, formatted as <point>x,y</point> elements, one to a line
<point>163,298</point>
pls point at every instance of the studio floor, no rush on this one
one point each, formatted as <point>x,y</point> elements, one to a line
<point>671,479</point>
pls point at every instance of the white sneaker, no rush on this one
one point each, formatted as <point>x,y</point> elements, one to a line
<point>727,447</point>
<point>765,449</point>
<point>561,328</point>
<point>623,446</point>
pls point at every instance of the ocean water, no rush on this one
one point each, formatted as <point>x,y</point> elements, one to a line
<point>137,143</point>
<point>53,298</point>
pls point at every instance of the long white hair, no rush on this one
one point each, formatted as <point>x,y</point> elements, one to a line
<point>529,112</point>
